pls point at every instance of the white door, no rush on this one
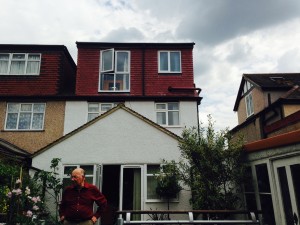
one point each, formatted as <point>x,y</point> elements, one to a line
<point>131,188</point>
<point>287,179</point>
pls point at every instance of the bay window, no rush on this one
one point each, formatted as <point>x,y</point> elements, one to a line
<point>115,71</point>
<point>20,63</point>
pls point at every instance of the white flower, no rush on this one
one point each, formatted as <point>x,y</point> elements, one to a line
<point>35,208</point>
<point>17,191</point>
<point>18,181</point>
<point>27,191</point>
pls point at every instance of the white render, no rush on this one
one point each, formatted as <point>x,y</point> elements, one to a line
<point>118,137</point>
<point>76,114</point>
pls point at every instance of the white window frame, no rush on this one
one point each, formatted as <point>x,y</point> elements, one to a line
<point>26,60</point>
<point>32,112</point>
<point>166,111</point>
<point>249,104</point>
<point>169,62</point>
<point>114,72</point>
<point>99,109</point>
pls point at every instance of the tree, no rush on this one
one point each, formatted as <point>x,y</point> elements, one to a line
<point>211,167</point>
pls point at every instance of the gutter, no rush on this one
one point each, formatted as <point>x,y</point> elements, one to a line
<point>185,89</point>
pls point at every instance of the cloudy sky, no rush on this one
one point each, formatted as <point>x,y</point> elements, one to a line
<point>231,37</point>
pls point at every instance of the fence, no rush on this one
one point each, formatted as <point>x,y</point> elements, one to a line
<point>206,217</point>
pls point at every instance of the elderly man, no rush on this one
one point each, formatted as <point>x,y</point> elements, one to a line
<point>78,200</point>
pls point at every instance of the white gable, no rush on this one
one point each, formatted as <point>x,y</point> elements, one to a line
<point>118,138</point>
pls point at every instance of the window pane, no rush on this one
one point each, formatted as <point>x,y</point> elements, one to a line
<point>32,68</point>
<point>151,188</point>
<point>26,107</point>
<point>37,121</point>
<point>248,185</point>
<point>89,180</point>
<point>160,106</point>
<point>163,61</point>
<point>11,122</point>
<point>161,118</point>
<point>68,170</point>
<point>173,106</point>
<point>107,81</point>
<point>175,61</point>
<point>107,60</point>
<point>153,169</point>
<point>19,56</point>
<point>89,169</point>
<point>122,62</point>
<point>267,207</point>
<point>13,107</point>
<point>35,57</point>
<point>17,67</point>
<point>4,59</point>
<point>250,201</point>
<point>106,107</point>
<point>122,82</point>
<point>173,118</point>
<point>66,182</point>
<point>93,107</point>
<point>262,178</point>
<point>39,108</point>
<point>92,116</point>
<point>24,121</point>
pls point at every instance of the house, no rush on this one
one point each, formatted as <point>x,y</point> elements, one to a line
<point>118,116</point>
<point>268,107</point>
<point>34,80</point>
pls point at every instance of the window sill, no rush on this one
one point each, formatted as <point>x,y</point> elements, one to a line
<point>22,130</point>
<point>169,73</point>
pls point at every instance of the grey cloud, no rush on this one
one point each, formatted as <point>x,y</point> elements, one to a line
<point>124,35</point>
<point>217,21</point>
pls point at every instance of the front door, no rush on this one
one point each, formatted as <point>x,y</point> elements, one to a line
<point>287,178</point>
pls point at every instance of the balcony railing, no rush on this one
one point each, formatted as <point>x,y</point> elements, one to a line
<point>206,217</point>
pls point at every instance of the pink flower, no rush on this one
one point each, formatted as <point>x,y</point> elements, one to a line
<point>9,194</point>
<point>29,213</point>
<point>17,192</point>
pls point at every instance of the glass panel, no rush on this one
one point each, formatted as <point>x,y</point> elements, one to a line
<point>13,107</point>
<point>106,107</point>
<point>11,122</point>
<point>175,61</point>
<point>106,80</point>
<point>163,61</point>
<point>93,107</point>
<point>161,118</point>
<point>122,82</point>
<point>35,57</point>
<point>267,207</point>
<point>153,169</point>
<point>248,185</point>
<point>295,171</point>
<point>262,178</point>
<point>24,121</point>
<point>26,107</point>
<point>160,106</point>
<point>19,56</point>
<point>89,180</point>
<point>38,107</point>
<point>122,62</point>
<point>151,188</point>
<point>89,170</point>
<point>17,67</point>
<point>107,60</point>
<point>68,170</point>
<point>4,57</point>
<point>173,118</point>
<point>92,116</point>
<point>250,201</point>
<point>173,106</point>
<point>32,68</point>
<point>285,195</point>
<point>37,121</point>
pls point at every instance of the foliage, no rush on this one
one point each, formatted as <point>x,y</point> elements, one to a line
<point>211,167</point>
<point>168,180</point>
<point>51,184</point>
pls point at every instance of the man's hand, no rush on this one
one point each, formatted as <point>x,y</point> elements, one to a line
<point>94,219</point>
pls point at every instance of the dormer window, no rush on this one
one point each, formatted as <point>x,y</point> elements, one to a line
<point>115,71</point>
<point>169,62</point>
<point>20,63</point>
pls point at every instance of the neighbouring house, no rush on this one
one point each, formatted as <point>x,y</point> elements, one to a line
<point>268,108</point>
<point>118,116</point>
